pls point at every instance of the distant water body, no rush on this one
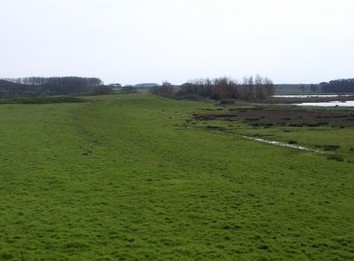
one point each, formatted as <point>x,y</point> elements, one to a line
<point>328,104</point>
<point>334,103</point>
<point>312,96</point>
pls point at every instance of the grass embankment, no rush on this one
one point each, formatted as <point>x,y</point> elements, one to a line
<point>122,178</point>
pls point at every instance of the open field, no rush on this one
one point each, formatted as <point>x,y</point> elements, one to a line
<point>137,177</point>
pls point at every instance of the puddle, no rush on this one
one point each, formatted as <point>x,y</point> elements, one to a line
<point>277,143</point>
<point>282,144</point>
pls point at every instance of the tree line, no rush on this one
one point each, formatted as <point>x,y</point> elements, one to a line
<point>251,88</point>
<point>338,86</point>
<point>12,87</point>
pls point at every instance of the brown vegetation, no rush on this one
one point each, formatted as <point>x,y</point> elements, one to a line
<point>282,116</point>
<point>252,88</point>
<point>257,88</point>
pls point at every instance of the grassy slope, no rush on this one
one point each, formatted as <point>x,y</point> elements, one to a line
<point>119,179</point>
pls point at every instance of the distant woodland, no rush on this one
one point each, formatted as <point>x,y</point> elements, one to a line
<point>341,86</point>
<point>32,86</point>
<point>251,88</point>
<point>338,86</point>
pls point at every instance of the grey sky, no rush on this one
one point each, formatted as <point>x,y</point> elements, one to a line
<point>132,41</point>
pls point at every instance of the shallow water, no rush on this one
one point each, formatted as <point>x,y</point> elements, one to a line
<point>328,104</point>
<point>281,144</point>
<point>312,96</point>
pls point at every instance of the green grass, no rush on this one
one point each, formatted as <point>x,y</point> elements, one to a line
<point>123,178</point>
<point>42,100</point>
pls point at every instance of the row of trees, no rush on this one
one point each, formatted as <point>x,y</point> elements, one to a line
<point>338,86</point>
<point>49,86</point>
<point>335,86</point>
<point>251,88</point>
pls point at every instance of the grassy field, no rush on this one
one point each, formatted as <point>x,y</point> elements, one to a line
<point>129,177</point>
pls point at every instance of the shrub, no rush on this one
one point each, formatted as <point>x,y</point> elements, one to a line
<point>323,123</point>
<point>267,125</point>
<point>295,125</point>
<point>313,124</point>
<point>292,142</point>
<point>101,90</point>
<point>331,147</point>
<point>336,157</point>
<point>252,119</point>
<point>165,89</point>
<point>227,102</point>
<point>214,127</point>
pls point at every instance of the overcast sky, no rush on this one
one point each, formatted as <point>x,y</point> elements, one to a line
<point>133,41</point>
